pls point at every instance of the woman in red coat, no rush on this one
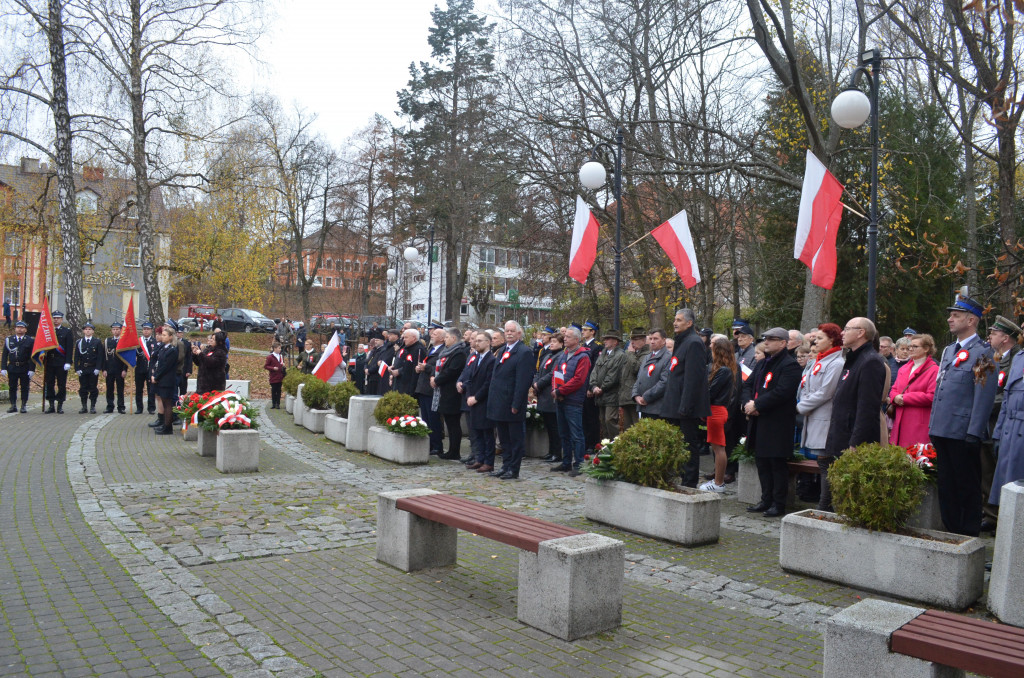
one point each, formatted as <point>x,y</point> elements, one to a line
<point>913,393</point>
<point>275,367</point>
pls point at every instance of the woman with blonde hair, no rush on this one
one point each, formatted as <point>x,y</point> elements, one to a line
<point>912,394</point>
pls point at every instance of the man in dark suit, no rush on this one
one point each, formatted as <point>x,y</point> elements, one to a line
<point>357,369</point>
<point>373,366</point>
<point>687,394</point>
<point>16,364</point>
<point>772,415</point>
<point>425,392</point>
<point>506,399</point>
<point>58,362</point>
<point>474,383</point>
<point>387,356</point>
<point>88,362</point>
<point>142,383</point>
<point>857,402</point>
<point>960,416</point>
<point>114,369</point>
<point>409,355</point>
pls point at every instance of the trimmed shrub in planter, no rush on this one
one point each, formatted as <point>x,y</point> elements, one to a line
<point>339,397</point>
<point>316,394</point>
<point>877,487</point>
<point>651,453</point>
<point>292,379</point>
<point>394,404</point>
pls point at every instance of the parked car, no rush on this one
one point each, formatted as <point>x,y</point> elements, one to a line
<point>245,320</point>
<point>195,324</point>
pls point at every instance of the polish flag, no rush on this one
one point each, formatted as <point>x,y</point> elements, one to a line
<point>584,243</point>
<point>818,222</point>
<point>674,237</point>
<point>330,360</point>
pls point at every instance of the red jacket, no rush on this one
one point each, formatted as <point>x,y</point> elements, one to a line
<point>910,426</point>
<point>275,367</point>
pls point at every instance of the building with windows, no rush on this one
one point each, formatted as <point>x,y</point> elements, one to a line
<point>108,230</point>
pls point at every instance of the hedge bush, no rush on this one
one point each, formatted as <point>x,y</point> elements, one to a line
<point>316,393</point>
<point>651,453</point>
<point>395,404</point>
<point>291,382</point>
<point>876,486</point>
<point>340,394</point>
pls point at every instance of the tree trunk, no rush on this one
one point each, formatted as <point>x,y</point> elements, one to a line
<point>140,167</point>
<point>815,304</point>
<point>970,198</point>
<point>68,216</point>
<point>1007,193</point>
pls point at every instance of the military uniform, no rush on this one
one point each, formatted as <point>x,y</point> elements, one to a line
<point>606,375</point>
<point>958,423</point>
<point>990,448</point>
<point>57,364</point>
<point>88,361</point>
<point>115,370</point>
<point>16,364</point>
<point>142,368</point>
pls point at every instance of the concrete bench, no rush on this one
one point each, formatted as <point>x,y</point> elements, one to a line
<point>878,638</point>
<point>570,582</point>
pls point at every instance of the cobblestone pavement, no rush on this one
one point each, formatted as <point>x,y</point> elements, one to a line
<point>166,567</point>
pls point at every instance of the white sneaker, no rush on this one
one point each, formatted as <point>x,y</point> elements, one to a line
<point>710,486</point>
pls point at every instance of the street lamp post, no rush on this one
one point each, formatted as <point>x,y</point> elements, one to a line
<point>850,110</point>
<point>593,176</point>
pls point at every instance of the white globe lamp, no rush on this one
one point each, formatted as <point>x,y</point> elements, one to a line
<point>592,175</point>
<point>391,273</point>
<point>411,254</point>
<point>851,108</point>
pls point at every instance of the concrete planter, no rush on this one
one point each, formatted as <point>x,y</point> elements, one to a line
<point>360,418</point>
<point>947,573</point>
<point>335,428</point>
<point>536,443</point>
<point>238,451</point>
<point>298,408</point>
<point>689,517</point>
<point>313,420</point>
<point>1006,588</point>
<point>401,449</point>
<point>928,516</point>
<point>289,403</point>
<point>191,434</point>
<point>207,442</point>
<point>748,485</point>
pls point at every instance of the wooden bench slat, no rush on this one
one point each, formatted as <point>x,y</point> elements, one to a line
<point>504,526</point>
<point>985,643</point>
<point>946,651</point>
<point>804,466</point>
<point>981,624</point>
<point>1009,640</point>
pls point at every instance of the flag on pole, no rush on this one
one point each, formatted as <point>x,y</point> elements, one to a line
<point>674,237</point>
<point>584,243</point>
<point>330,360</point>
<point>46,335</point>
<point>818,222</point>
<point>129,339</point>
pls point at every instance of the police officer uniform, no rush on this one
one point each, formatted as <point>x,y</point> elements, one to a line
<point>142,368</point>
<point>88,361</point>
<point>57,364</point>
<point>115,370</point>
<point>958,424</point>
<point>16,365</point>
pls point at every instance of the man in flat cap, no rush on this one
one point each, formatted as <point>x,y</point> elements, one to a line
<point>58,362</point>
<point>960,416</point>
<point>1002,337</point>
<point>16,364</point>
<point>113,369</point>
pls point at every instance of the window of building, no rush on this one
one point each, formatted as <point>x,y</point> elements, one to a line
<point>501,257</point>
<point>328,282</point>
<point>12,292</point>
<point>513,259</point>
<point>329,262</point>
<point>355,266</point>
<point>486,262</point>
<point>337,265</point>
<point>464,309</point>
<point>348,265</point>
<point>131,208</point>
<point>132,256</point>
<point>86,202</point>
<point>12,244</point>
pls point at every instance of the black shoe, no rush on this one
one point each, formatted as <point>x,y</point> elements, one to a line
<point>92,409</point>
<point>561,468</point>
<point>759,507</point>
<point>83,410</point>
<point>151,412</point>
<point>551,458</point>
<point>139,412</point>
<point>12,409</point>
<point>988,526</point>
<point>509,476</point>
<point>24,410</point>
<point>60,409</point>
<point>437,453</point>
<point>164,431</point>
<point>773,512</point>
<point>109,410</point>
<point>121,410</point>
<point>49,411</point>
<point>156,424</point>
<point>497,474</point>
<point>575,473</point>
<point>988,566</point>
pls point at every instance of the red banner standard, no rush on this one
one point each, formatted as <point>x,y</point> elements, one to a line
<point>46,335</point>
<point>128,342</point>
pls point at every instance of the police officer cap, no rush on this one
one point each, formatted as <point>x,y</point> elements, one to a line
<point>549,329</point>
<point>21,323</point>
<point>706,332</point>
<point>592,325</point>
<point>967,305</point>
<point>147,326</point>
<point>436,326</point>
<point>909,331</point>
<point>89,325</point>
<point>742,327</point>
<point>115,325</point>
<point>577,326</point>
<point>57,314</point>
<point>173,325</point>
<point>1004,324</point>
<point>739,322</point>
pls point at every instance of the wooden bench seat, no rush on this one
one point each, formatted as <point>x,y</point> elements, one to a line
<point>974,645</point>
<point>804,466</point>
<point>570,582</point>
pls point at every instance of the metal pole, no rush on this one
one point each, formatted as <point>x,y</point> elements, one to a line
<point>873,223</point>
<point>618,227</point>
<point>430,283</point>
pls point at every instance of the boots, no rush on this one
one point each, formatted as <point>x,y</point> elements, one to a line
<point>60,407</point>
<point>158,423</point>
<point>164,431</point>
<point>85,407</point>
<point>92,407</point>
<point>51,410</point>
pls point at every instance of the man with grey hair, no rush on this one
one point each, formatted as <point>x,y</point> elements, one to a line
<point>506,399</point>
<point>793,343</point>
<point>687,392</point>
<point>403,370</point>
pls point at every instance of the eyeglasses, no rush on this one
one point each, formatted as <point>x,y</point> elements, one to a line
<point>848,328</point>
<point>916,346</point>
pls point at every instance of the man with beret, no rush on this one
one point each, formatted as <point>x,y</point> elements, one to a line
<point>960,417</point>
<point>88,361</point>
<point>57,362</point>
<point>1002,337</point>
<point>591,411</point>
<point>114,370</point>
<point>16,364</point>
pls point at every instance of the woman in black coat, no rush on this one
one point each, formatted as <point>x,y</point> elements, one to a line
<point>212,361</point>
<point>545,403</point>
<point>165,378</point>
<point>447,400</point>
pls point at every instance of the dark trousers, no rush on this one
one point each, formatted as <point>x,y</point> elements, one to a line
<point>774,475</point>
<point>591,423</point>
<point>825,498</point>
<point>570,430</point>
<point>56,383</point>
<point>115,380</point>
<point>453,424</point>
<point>142,383</point>
<point>18,380</point>
<point>958,478</point>
<point>481,441</point>
<point>989,457</point>
<point>433,420</point>
<point>275,395</point>
<point>87,390</point>
<point>182,384</point>
<point>690,428</point>
<point>554,439</point>
<point>512,435</point>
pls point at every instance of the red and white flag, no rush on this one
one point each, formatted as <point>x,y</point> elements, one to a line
<point>674,237</point>
<point>818,222</point>
<point>330,360</point>
<point>584,243</point>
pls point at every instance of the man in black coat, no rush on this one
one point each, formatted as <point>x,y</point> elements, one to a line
<point>387,356</point>
<point>591,412</point>
<point>58,362</point>
<point>506,399</point>
<point>857,402</point>
<point>688,398</point>
<point>357,370</point>
<point>474,383</point>
<point>772,420</point>
<point>114,369</point>
<point>88,362</point>
<point>425,392</point>
<point>403,374</point>
<point>143,386</point>
<point>16,364</point>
